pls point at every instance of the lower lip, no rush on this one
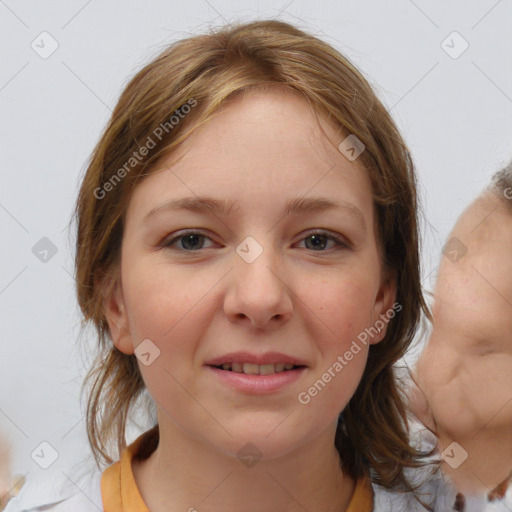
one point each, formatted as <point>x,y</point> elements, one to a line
<point>258,384</point>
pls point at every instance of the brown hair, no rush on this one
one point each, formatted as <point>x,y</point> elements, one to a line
<point>210,69</point>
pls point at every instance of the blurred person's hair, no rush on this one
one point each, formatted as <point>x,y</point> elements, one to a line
<point>501,184</point>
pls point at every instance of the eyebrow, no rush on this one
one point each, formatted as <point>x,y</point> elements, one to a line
<point>297,206</point>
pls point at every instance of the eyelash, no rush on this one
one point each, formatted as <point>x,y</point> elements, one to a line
<point>340,243</point>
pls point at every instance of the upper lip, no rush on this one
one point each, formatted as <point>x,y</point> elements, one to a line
<point>259,359</point>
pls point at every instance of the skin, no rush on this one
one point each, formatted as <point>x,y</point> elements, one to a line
<point>261,149</point>
<point>465,372</point>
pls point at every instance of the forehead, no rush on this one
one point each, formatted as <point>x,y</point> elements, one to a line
<point>277,120</point>
<point>483,275</point>
<point>259,149</point>
<point>486,226</point>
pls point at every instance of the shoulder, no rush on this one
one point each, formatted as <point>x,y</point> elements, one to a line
<point>77,489</point>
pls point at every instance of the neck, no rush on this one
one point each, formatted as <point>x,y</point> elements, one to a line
<point>184,474</point>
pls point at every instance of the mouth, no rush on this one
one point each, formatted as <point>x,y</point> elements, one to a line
<point>256,379</point>
<point>255,369</point>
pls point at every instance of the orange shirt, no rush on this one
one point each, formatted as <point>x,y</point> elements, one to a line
<point>120,493</point>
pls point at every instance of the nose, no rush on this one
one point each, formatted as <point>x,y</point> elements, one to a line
<point>258,292</point>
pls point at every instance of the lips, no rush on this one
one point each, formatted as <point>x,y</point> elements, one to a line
<point>253,384</point>
<point>254,369</point>
<point>260,365</point>
<point>246,358</point>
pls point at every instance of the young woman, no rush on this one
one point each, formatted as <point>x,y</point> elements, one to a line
<point>248,252</point>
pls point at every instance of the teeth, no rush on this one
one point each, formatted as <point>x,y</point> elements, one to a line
<point>267,369</point>
<point>254,369</point>
<point>237,367</point>
<point>251,369</point>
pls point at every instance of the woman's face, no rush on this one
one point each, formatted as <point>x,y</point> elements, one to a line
<point>252,278</point>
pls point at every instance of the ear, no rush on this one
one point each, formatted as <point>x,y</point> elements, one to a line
<point>385,308</point>
<point>115,312</point>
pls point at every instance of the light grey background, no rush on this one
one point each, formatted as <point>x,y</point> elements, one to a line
<point>455,114</point>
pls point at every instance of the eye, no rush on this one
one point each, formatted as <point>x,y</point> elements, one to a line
<point>191,240</point>
<point>318,241</point>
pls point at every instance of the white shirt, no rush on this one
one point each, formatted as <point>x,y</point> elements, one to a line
<point>80,491</point>
<point>60,492</point>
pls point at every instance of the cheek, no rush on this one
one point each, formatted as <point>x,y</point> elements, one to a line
<point>172,313</point>
<point>169,312</point>
<point>344,305</point>
<point>344,308</point>
<point>158,300</point>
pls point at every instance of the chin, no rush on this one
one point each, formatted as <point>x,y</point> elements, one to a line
<point>253,445</point>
